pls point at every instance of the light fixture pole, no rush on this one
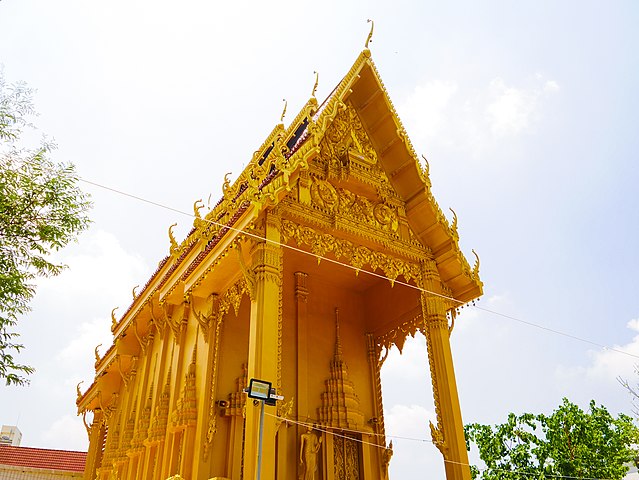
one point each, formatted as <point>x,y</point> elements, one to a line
<point>263,392</point>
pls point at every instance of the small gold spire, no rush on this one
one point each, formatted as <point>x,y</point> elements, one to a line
<point>476,266</point>
<point>316,83</point>
<point>114,322</point>
<point>426,165</point>
<point>338,340</point>
<point>369,39</point>
<point>78,391</point>
<point>197,206</point>
<point>174,244</point>
<point>97,355</point>
<point>454,225</point>
<point>283,111</point>
<point>134,292</point>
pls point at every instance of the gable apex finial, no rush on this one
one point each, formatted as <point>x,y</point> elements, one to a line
<point>283,111</point>
<point>369,39</point>
<point>315,85</point>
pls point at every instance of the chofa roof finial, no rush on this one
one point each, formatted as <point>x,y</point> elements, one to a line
<point>369,39</point>
<point>316,83</point>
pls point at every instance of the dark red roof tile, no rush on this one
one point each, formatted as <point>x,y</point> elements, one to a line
<point>66,460</point>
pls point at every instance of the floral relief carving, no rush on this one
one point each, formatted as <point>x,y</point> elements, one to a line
<point>358,256</point>
<point>352,207</point>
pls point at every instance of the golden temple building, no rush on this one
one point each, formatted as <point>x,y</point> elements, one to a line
<point>328,250</point>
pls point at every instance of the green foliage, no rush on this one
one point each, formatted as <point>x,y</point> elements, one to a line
<point>569,443</point>
<point>41,211</point>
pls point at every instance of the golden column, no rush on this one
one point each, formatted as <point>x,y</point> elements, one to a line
<point>448,435</point>
<point>97,432</point>
<point>264,343</point>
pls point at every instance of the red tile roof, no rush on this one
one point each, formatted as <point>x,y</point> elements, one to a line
<point>43,458</point>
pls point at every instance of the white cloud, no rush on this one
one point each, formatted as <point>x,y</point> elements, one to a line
<point>409,421</point>
<point>98,263</point>
<point>511,110</point>
<point>601,374</point>
<point>80,348</point>
<point>443,113</point>
<point>407,426</point>
<point>427,106</point>
<point>68,431</point>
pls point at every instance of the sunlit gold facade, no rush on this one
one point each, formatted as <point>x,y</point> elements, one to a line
<point>275,283</point>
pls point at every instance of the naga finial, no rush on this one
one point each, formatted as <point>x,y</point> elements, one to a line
<point>369,39</point>
<point>97,355</point>
<point>134,292</point>
<point>114,322</point>
<point>316,83</point>
<point>77,389</point>
<point>426,165</point>
<point>454,225</point>
<point>226,186</point>
<point>476,266</point>
<point>174,244</point>
<point>197,206</point>
<point>283,111</point>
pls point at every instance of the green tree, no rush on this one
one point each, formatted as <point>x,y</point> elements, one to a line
<point>569,443</point>
<point>41,210</point>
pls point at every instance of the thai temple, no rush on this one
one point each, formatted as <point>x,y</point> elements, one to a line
<point>327,250</point>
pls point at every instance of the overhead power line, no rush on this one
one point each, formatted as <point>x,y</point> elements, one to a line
<point>358,270</point>
<point>348,434</point>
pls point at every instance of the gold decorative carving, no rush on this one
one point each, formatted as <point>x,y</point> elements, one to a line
<point>340,405</point>
<point>476,266</point>
<point>97,355</point>
<point>346,134</point>
<point>358,256</point>
<point>369,39</point>
<point>87,427</point>
<point>387,454</point>
<point>174,248</point>
<point>206,317</point>
<point>78,392</point>
<point>315,85</point>
<point>185,412</point>
<point>437,436</point>
<point>231,298</point>
<point>114,322</point>
<point>249,275</point>
<point>346,458</point>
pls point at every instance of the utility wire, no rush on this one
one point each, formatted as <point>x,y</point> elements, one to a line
<point>357,270</point>
<point>331,431</point>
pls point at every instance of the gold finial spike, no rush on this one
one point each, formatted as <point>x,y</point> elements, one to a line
<point>426,165</point>
<point>134,292</point>
<point>114,322</point>
<point>316,83</point>
<point>476,266</point>
<point>174,243</point>
<point>197,206</point>
<point>78,391</point>
<point>369,39</point>
<point>226,186</point>
<point>97,355</point>
<point>283,111</point>
<point>454,225</point>
<point>338,341</point>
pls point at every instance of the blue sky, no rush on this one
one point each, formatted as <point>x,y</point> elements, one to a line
<point>526,111</point>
